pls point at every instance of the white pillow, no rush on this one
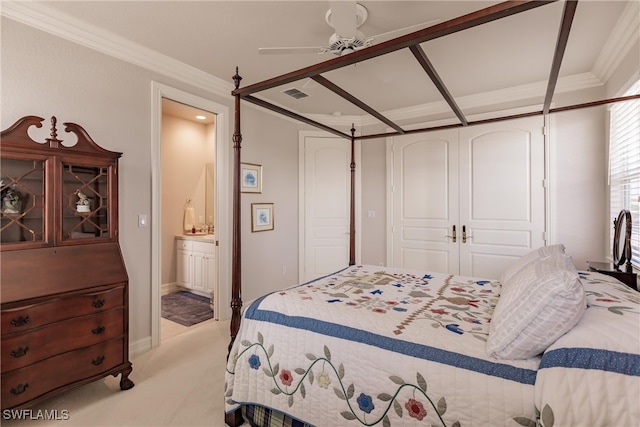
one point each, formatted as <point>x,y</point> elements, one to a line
<point>528,258</point>
<point>543,301</point>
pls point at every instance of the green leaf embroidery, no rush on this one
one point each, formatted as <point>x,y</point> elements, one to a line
<point>276,369</point>
<point>421,382</point>
<point>348,415</point>
<point>310,356</point>
<point>260,338</point>
<point>396,379</point>
<point>310,376</point>
<point>547,416</point>
<point>398,408</point>
<point>456,424</point>
<point>386,422</point>
<point>275,391</point>
<point>270,352</point>
<point>290,402</point>
<point>339,393</point>
<point>327,353</point>
<point>524,421</point>
<point>299,371</point>
<point>350,390</point>
<point>267,372</point>
<point>245,343</point>
<point>341,371</point>
<point>303,391</point>
<point>385,397</point>
<point>442,406</point>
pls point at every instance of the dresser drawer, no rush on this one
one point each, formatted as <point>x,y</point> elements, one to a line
<point>23,349</point>
<point>35,315</point>
<point>27,383</point>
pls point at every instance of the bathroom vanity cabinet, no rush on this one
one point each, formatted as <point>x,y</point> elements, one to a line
<point>196,264</point>
<point>64,300</point>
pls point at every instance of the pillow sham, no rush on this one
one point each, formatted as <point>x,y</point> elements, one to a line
<point>528,258</point>
<point>543,301</point>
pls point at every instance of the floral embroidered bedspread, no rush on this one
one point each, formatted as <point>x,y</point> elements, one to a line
<point>597,362</point>
<point>379,346</point>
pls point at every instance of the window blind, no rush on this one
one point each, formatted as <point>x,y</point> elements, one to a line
<point>624,165</point>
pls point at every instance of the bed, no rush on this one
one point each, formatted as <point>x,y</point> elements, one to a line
<point>371,345</point>
<point>381,346</point>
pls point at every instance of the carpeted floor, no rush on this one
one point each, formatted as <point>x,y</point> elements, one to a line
<point>186,308</point>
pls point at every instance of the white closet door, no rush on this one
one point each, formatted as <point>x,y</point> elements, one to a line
<point>425,201</point>
<point>501,194</point>
<point>325,195</point>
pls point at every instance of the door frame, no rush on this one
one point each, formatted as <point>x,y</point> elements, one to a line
<point>302,135</point>
<point>222,214</point>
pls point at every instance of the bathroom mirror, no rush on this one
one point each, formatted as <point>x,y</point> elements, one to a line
<point>622,239</point>
<point>209,189</point>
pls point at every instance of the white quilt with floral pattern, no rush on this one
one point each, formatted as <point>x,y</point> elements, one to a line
<point>379,346</point>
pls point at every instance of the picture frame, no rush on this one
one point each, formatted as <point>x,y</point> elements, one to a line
<point>250,178</point>
<point>261,217</point>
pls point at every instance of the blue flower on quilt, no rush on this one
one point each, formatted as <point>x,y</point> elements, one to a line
<point>376,292</point>
<point>399,309</point>
<point>483,282</point>
<point>365,403</point>
<point>454,328</point>
<point>254,361</point>
<point>427,276</point>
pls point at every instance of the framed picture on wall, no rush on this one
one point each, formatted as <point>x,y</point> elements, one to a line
<point>261,217</point>
<point>250,178</point>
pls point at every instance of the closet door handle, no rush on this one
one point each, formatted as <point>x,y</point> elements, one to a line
<point>453,232</point>
<point>464,234</point>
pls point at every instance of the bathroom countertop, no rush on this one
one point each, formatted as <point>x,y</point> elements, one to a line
<point>197,237</point>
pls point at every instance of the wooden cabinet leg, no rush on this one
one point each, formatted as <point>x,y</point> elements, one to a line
<point>234,419</point>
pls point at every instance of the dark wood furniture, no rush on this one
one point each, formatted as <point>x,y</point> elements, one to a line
<point>626,276</point>
<point>64,300</point>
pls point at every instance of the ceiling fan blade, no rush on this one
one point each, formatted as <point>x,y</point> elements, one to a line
<point>286,50</point>
<point>403,31</point>
<point>343,18</point>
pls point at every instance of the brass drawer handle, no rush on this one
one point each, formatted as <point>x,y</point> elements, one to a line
<point>20,389</point>
<point>97,361</point>
<point>98,303</point>
<point>20,321</point>
<point>20,352</point>
<point>98,330</point>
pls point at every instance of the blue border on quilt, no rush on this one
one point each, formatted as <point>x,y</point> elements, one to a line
<point>592,358</point>
<point>474,364</point>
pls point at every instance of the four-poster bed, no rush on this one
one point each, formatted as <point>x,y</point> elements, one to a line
<point>431,371</point>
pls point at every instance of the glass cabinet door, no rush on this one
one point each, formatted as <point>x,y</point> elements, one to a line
<point>22,204</point>
<point>85,202</point>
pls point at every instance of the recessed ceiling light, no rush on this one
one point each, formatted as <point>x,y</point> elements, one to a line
<point>200,117</point>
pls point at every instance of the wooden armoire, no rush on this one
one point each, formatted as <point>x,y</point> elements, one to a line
<point>63,281</point>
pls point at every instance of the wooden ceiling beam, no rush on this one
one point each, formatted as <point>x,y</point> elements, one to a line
<point>418,52</point>
<point>291,114</point>
<point>561,44</point>
<point>346,95</point>
<point>461,23</point>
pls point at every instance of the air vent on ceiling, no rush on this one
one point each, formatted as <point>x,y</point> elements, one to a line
<point>295,93</point>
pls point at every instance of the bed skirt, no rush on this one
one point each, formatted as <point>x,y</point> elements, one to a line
<point>259,416</point>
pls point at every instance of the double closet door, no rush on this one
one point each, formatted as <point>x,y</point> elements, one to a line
<point>467,201</point>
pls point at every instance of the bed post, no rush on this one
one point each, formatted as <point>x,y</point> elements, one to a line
<point>235,418</point>
<point>352,217</point>
<point>236,265</point>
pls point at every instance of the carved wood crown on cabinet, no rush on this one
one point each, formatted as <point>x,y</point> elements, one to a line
<point>64,297</point>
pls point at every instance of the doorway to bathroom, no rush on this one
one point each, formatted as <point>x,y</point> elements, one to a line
<point>190,168</point>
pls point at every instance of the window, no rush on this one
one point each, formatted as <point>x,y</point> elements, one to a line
<point>624,164</point>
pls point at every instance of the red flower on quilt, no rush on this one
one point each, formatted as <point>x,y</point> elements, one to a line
<point>286,377</point>
<point>416,410</point>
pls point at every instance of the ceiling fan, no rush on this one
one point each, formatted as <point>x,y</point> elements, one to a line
<point>345,17</point>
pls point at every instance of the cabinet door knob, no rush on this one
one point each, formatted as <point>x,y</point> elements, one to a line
<point>19,352</point>
<point>20,321</point>
<point>98,330</point>
<point>97,361</point>
<point>98,303</point>
<point>21,388</point>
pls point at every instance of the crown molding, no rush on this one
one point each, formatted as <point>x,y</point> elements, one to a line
<point>45,18</point>
<point>625,34</point>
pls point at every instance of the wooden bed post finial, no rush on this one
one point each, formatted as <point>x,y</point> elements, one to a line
<point>237,78</point>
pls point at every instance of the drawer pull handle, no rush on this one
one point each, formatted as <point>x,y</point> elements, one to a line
<point>19,352</point>
<point>98,303</point>
<point>97,361</point>
<point>20,389</point>
<point>20,321</point>
<point>98,330</point>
